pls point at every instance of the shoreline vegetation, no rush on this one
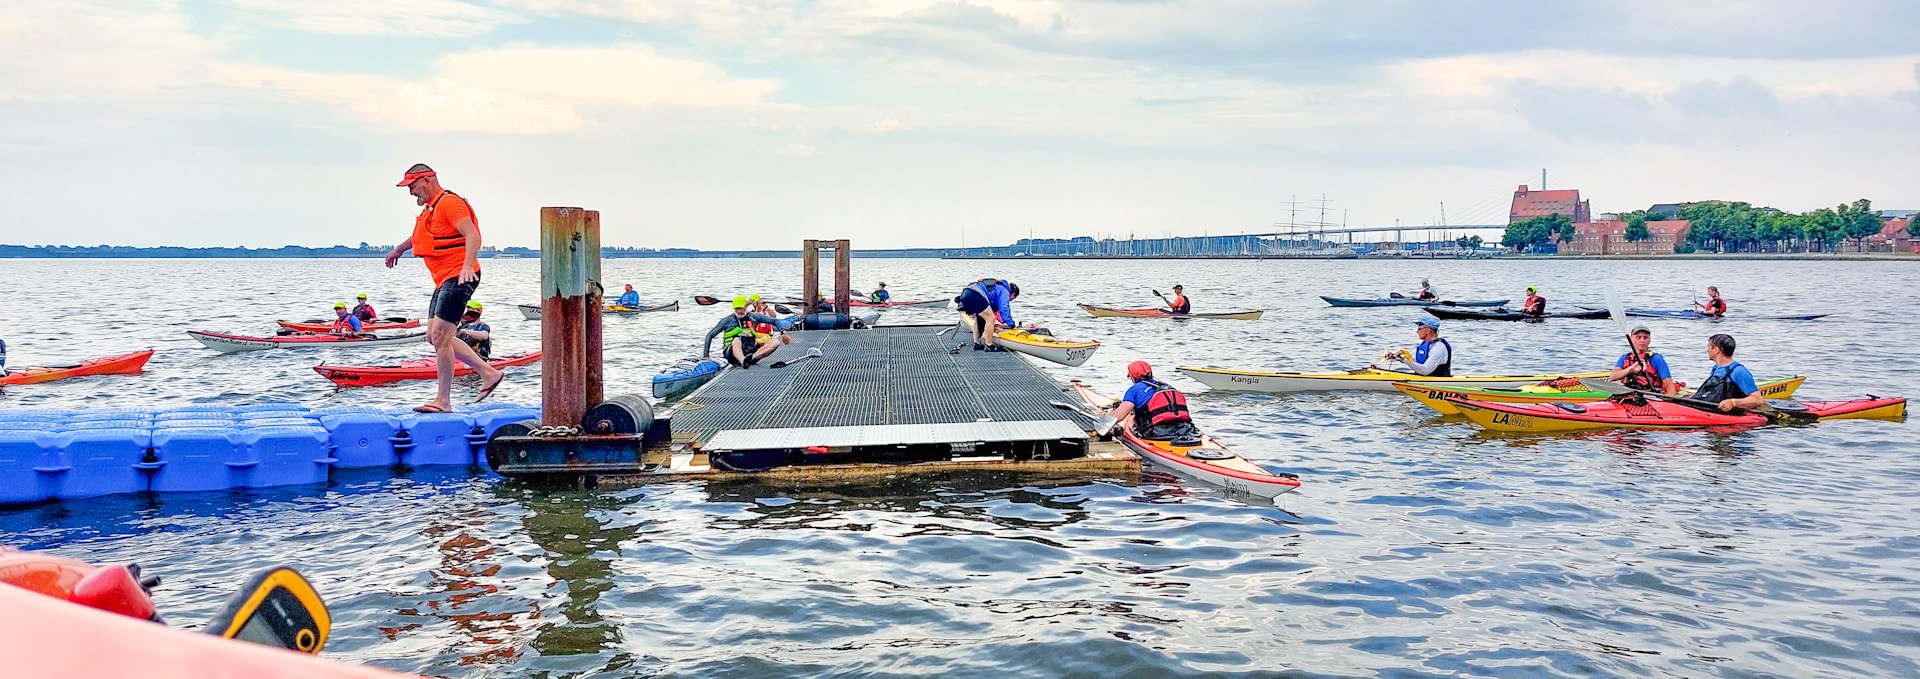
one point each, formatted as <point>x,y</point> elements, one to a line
<point>344,252</point>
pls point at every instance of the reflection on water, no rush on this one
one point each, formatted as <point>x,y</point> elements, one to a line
<point>1417,547</point>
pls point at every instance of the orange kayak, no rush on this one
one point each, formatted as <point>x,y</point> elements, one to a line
<point>124,364</point>
<point>325,326</point>
<point>417,369</point>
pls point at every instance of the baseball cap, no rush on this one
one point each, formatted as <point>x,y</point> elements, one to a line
<point>1429,322</point>
<point>1639,329</point>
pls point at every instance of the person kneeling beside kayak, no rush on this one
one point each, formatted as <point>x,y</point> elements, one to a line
<point>987,306</point>
<point>736,332</point>
<point>1730,384</point>
<point>1159,411</point>
<point>1434,356</point>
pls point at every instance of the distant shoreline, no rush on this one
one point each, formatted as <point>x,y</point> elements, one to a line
<point>1803,256</point>
<point>13,252</point>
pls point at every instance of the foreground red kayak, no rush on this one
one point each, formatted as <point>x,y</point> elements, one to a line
<point>317,325</point>
<point>124,364</point>
<point>418,369</point>
<point>1653,414</point>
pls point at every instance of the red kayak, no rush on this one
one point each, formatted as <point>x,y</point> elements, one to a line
<point>418,369</point>
<point>317,325</point>
<point>895,305</point>
<point>124,364</point>
<point>1652,414</point>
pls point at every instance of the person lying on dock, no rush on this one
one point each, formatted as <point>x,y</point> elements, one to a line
<point>1535,305</point>
<point>1642,369</point>
<point>475,333</point>
<point>629,299</point>
<point>1715,306</point>
<point>1179,306</point>
<point>1159,411</point>
<point>1434,356</point>
<point>880,295</point>
<point>742,345</point>
<point>987,306</point>
<point>344,323</point>
<point>1730,384</point>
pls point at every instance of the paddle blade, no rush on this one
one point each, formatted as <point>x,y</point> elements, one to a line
<point>781,309</point>
<point>1618,311</point>
<point>704,300</point>
<point>277,608</point>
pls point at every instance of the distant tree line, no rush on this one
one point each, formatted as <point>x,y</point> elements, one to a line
<point>1533,232</point>
<point>1740,227</point>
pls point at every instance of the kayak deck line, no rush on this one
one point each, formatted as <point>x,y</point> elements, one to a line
<point>875,403</point>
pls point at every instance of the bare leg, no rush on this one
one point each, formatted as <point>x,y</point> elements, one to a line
<point>764,351</point>
<point>993,325</point>
<point>739,355</point>
<point>973,325</point>
<point>466,354</point>
<point>440,335</point>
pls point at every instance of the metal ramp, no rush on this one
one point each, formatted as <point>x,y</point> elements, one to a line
<point>867,385</point>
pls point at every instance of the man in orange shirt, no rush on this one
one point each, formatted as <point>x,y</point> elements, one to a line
<point>446,236</point>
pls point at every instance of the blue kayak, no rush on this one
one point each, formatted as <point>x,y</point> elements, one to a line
<point>1690,314</point>
<point>1409,301</point>
<point>681,379</point>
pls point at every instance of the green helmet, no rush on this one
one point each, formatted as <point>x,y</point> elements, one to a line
<point>362,296</point>
<point>739,302</point>
<point>339,305</point>
<point>474,306</point>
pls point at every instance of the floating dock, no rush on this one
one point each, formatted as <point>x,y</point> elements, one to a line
<point>876,403</point>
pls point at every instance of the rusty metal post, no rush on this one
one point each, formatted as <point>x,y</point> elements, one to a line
<point>809,272</point>
<point>842,276</point>
<point>595,306</point>
<point>569,328</point>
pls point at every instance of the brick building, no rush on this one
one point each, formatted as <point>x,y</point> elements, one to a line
<point>1528,204</point>
<point>1893,237</point>
<point>1609,237</point>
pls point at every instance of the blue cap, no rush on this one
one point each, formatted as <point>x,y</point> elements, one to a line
<point>1430,322</point>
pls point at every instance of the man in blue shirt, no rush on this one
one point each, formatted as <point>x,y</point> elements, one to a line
<point>987,305</point>
<point>1731,385</point>
<point>344,323</point>
<point>1642,369</point>
<point>880,295</point>
<point>628,299</point>
<point>1159,411</point>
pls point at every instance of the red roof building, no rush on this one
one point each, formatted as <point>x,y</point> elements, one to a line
<point>1528,204</point>
<point>1893,237</point>
<point>1609,237</point>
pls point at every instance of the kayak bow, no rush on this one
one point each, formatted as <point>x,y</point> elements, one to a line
<point>124,364</point>
<point>1044,346</point>
<point>1204,459</point>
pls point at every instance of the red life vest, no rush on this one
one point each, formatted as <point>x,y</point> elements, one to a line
<point>1166,405</point>
<point>1647,379</point>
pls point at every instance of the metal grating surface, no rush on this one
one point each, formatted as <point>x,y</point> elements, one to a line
<point>894,435</point>
<point>900,375</point>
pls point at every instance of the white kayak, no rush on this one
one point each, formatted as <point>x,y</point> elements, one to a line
<point>227,343</point>
<point>1041,345</point>
<point>1202,458</point>
<point>1369,378</point>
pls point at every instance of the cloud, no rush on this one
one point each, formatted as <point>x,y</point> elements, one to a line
<point>515,90</point>
<point>413,18</point>
<point>886,125</point>
<point>797,150</point>
<point>1739,96</point>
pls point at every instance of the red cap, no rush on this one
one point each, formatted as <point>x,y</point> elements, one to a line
<point>412,177</point>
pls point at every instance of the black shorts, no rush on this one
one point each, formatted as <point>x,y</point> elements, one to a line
<point>450,299</point>
<point>971,302</point>
<point>745,348</point>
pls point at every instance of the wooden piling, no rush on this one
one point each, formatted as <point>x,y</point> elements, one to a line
<point>842,276</point>
<point>570,314</point>
<point>809,273</point>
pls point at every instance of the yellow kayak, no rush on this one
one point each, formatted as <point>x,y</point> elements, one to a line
<point>1370,378</point>
<point>1046,347</point>
<point>1564,391</point>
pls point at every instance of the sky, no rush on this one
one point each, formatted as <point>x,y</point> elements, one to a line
<point>724,124</point>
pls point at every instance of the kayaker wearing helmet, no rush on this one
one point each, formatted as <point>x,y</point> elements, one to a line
<point>446,236</point>
<point>364,311</point>
<point>629,299</point>
<point>1159,411</point>
<point>880,294</point>
<point>759,306</point>
<point>1730,384</point>
<point>1434,356</point>
<point>1426,291</point>
<point>988,305</point>
<point>742,344</point>
<point>344,323</point>
<point>1179,306</point>
<point>1535,305</point>
<point>475,333</point>
<point>1641,368</point>
<point>1715,306</point>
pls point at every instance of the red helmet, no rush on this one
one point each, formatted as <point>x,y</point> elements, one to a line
<point>1139,370</point>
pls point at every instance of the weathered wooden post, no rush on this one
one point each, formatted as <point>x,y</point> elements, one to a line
<point>570,314</point>
<point>809,273</point>
<point>842,276</point>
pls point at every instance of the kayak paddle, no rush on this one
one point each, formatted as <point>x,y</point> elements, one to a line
<point>1104,423</point>
<point>1163,299</point>
<point>782,310</point>
<point>704,300</point>
<point>278,608</point>
<point>1777,412</point>
<point>812,352</point>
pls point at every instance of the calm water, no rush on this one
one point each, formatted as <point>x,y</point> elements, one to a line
<point>1418,546</point>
